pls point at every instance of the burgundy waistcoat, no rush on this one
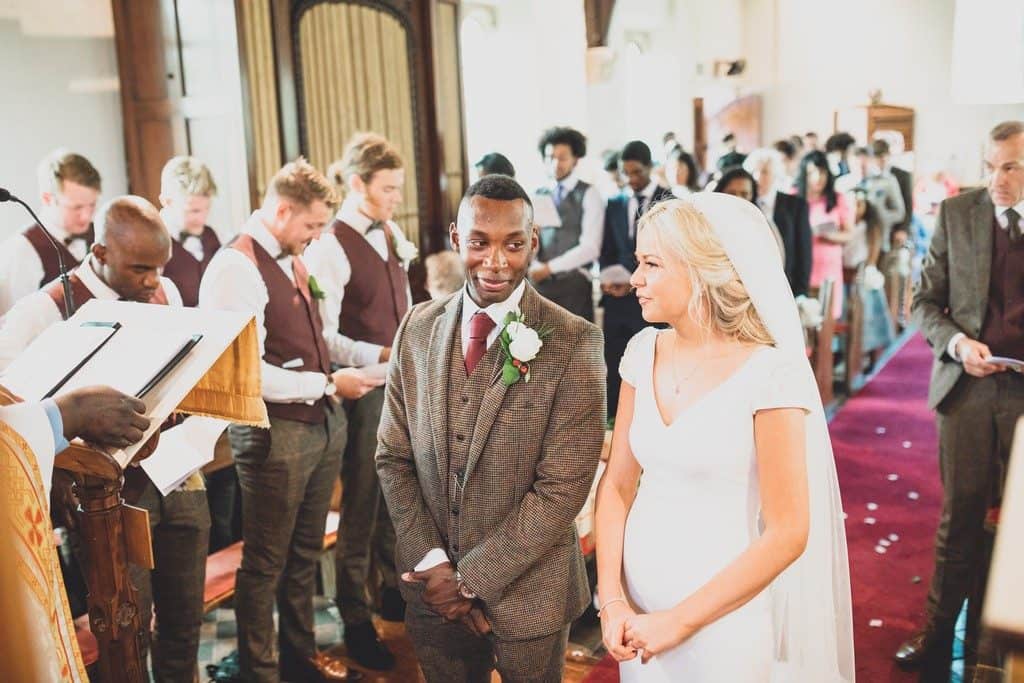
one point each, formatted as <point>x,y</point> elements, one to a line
<point>36,236</point>
<point>375,299</point>
<point>185,271</point>
<point>292,321</point>
<point>1003,330</point>
<point>80,294</point>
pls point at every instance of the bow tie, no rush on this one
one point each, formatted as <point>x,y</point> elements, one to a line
<point>282,256</point>
<point>376,225</point>
<point>71,239</point>
<point>183,235</point>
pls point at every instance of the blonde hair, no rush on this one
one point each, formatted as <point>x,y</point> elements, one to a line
<point>300,182</point>
<point>718,299</point>
<point>61,165</point>
<point>445,273</point>
<point>188,176</point>
<point>365,154</point>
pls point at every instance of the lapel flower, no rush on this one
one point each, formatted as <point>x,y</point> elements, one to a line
<point>404,249</point>
<point>314,290</point>
<point>521,344</point>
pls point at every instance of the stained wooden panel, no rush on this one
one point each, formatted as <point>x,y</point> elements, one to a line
<point>259,89</point>
<point>449,106</point>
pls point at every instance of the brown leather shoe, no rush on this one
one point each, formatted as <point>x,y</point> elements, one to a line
<point>333,669</point>
<point>912,653</point>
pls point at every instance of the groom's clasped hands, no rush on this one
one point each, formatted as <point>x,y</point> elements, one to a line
<point>442,596</point>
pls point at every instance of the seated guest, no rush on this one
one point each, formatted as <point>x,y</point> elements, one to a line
<point>681,171</point>
<point>560,271</point>
<point>68,189</point>
<point>788,213</point>
<point>623,317</point>
<point>186,190</point>
<point>445,274</point>
<point>830,223</point>
<point>494,163</point>
<point>132,246</point>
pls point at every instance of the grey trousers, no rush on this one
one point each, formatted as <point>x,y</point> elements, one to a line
<point>449,652</point>
<point>572,291</point>
<point>976,424</point>
<point>180,527</point>
<point>286,475</point>
<point>366,537</point>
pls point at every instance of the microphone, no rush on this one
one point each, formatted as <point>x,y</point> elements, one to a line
<point>69,304</point>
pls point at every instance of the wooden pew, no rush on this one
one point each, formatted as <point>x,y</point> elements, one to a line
<point>821,355</point>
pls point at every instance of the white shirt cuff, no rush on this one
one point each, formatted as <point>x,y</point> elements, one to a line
<point>951,347</point>
<point>313,385</point>
<point>366,353</point>
<point>433,558</point>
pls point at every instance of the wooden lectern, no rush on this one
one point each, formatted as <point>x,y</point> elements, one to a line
<point>220,378</point>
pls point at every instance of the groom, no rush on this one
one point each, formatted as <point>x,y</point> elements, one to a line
<point>484,472</point>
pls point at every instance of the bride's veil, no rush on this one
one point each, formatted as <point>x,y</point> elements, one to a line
<point>810,599</point>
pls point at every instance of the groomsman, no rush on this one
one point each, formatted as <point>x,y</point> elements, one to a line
<point>69,187</point>
<point>622,315</point>
<point>360,264</point>
<point>131,248</point>
<point>561,271</point>
<point>186,192</point>
<point>286,472</point>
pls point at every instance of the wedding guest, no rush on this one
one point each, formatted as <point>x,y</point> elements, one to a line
<point>837,149</point>
<point>561,271</point>
<point>860,260</point>
<point>810,143</point>
<point>900,231</point>
<point>286,472</point>
<point>493,162</point>
<point>445,274</point>
<point>622,315</point>
<point>787,213</point>
<point>69,187</point>
<point>731,157</point>
<point>791,155</point>
<point>739,183</point>
<point>830,222</point>
<point>681,171</point>
<point>977,240</point>
<point>882,190</point>
<point>361,264</point>
<point>612,182</point>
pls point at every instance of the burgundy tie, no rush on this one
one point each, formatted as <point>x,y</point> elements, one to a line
<point>480,325</point>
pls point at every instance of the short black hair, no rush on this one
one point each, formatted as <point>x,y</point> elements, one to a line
<point>562,135</point>
<point>729,137</point>
<point>611,160</point>
<point>731,175</point>
<point>501,187</point>
<point>817,158</point>
<point>785,147</point>
<point>840,142</point>
<point>863,152</point>
<point>494,162</point>
<point>880,147</point>
<point>668,136</point>
<point>636,150</point>
<point>685,158</point>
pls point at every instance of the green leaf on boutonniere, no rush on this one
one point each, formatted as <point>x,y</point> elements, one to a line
<point>509,373</point>
<point>314,289</point>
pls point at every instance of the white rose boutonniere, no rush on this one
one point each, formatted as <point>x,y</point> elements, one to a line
<point>521,345</point>
<point>406,251</point>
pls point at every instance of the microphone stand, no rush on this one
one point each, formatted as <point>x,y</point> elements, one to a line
<point>69,304</point>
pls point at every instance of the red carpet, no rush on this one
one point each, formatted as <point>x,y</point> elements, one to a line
<point>885,430</point>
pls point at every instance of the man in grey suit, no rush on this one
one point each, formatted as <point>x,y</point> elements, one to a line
<point>486,455</point>
<point>970,307</point>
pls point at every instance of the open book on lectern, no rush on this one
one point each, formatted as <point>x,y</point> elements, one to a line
<point>156,353</point>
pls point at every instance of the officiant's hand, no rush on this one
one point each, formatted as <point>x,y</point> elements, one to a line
<point>102,416</point>
<point>655,633</point>
<point>441,591</point>
<point>613,626</point>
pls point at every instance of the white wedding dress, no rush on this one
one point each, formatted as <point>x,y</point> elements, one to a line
<point>697,509</point>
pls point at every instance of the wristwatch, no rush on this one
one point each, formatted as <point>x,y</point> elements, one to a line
<point>331,388</point>
<point>464,590</point>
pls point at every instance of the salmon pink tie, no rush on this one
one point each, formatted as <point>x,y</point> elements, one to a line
<point>480,325</point>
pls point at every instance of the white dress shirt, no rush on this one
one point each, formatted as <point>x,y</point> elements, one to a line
<point>193,244</point>
<point>233,283</point>
<point>497,313</point>
<point>21,268</point>
<point>329,264</point>
<point>1004,223</point>
<point>646,195</point>
<point>591,227</point>
<point>37,311</point>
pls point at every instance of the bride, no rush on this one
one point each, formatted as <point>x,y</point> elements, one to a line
<point>721,552</point>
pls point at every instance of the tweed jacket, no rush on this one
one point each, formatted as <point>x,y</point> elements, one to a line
<point>532,458</point>
<point>953,293</point>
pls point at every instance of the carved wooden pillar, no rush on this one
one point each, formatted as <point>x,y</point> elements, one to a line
<point>113,601</point>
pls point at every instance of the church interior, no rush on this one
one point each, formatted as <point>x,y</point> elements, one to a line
<point>900,101</point>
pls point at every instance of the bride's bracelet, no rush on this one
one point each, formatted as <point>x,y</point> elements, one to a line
<point>610,602</point>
